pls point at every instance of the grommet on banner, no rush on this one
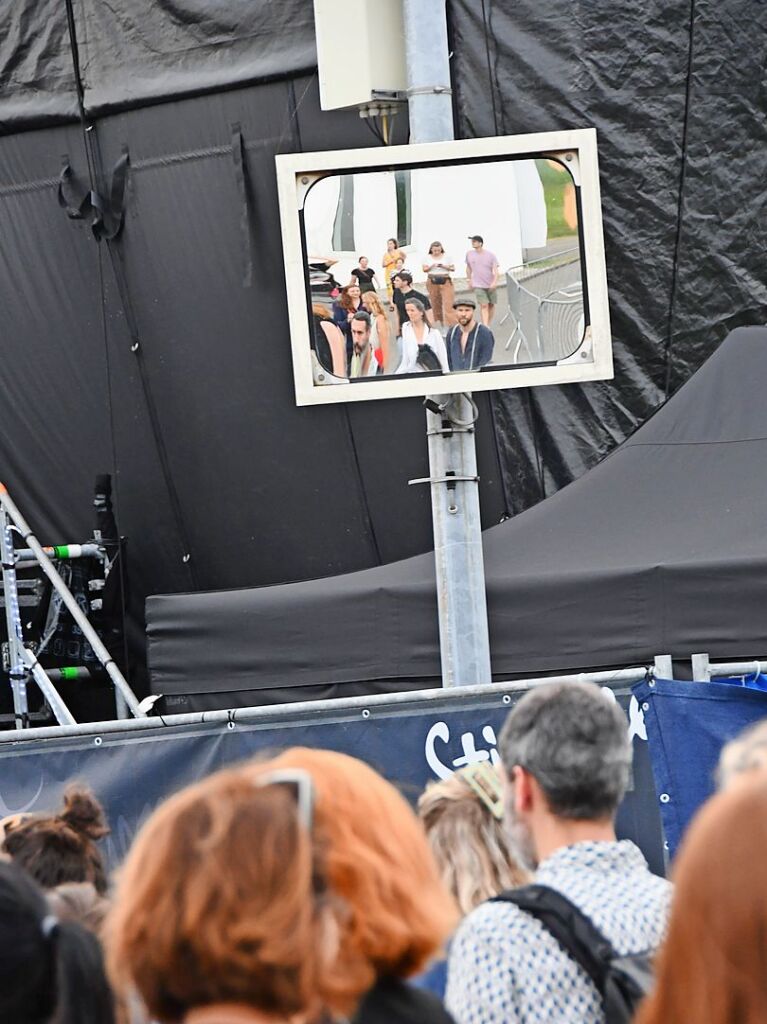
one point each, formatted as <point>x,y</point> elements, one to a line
<point>665,798</point>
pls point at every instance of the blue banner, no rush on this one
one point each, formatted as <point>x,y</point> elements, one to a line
<point>687,726</point>
<point>410,743</point>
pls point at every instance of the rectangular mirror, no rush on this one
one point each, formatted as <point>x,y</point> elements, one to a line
<point>445,267</point>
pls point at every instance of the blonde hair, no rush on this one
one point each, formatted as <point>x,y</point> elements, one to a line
<point>373,303</point>
<point>471,848</point>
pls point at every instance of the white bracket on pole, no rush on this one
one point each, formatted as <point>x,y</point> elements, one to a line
<point>701,670</point>
<point>664,666</point>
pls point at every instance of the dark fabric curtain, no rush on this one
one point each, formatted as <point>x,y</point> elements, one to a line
<point>162,356</point>
<point>676,92</point>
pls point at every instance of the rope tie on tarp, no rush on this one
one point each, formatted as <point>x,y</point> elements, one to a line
<point>75,206</point>
<point>239,160</point>
<point>108,213</point>
<point>109,216</point>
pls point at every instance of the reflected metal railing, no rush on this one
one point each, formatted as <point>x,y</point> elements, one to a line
<point>546,304</point>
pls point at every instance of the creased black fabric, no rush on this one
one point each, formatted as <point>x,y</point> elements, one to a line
<point>676,92</point>
<point>37,82</point>
<point>141,51</point>
<point>658,550</point>
<point>135,52</point>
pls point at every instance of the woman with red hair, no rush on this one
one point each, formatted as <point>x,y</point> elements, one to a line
<point>712,968</point>
<point>301,887</point>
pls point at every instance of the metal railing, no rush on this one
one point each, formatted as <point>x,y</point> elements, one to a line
<point>546,305</point>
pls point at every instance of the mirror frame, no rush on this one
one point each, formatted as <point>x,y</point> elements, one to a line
<point>577,148</point>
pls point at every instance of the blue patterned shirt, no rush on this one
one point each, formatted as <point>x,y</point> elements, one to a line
<point>504,966</point>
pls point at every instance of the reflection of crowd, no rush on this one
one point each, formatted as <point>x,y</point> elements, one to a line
<point>430,332</point>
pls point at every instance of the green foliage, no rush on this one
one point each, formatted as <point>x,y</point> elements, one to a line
<point>555,180</point>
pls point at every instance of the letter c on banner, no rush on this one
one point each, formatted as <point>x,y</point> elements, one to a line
<point>5,810</point>
<point>439,731</point>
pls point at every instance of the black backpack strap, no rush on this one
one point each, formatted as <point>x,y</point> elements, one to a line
<point>574,932</point>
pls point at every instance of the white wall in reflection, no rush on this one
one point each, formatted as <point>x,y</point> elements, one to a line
<point>350,216</point>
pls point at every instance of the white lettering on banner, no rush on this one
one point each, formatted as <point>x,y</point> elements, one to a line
<point>443,765</point>
<point>469,755</point>
<point>5,810</point>
<point>637,725</point>
<point>636,715</point>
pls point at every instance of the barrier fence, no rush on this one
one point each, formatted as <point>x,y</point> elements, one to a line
<point>410,738</point>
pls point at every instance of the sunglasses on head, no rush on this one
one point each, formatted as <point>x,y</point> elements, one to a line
<point>302,787</point>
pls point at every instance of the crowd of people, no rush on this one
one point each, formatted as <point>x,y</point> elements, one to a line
<point>302,888</point>
<point>429,332</point>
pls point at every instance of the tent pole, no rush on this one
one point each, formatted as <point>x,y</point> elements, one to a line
<point>461,600</point>
<point>17,672</point>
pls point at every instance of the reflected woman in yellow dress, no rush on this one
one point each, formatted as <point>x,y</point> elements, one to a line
<point>389,260</point>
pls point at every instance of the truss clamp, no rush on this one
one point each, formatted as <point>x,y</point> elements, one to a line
<point>449,479</point>
<point>430,90</point>
<point>449,431</point>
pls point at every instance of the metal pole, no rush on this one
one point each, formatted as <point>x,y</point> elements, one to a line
<point>461,601</point>
<point>61,551</point>
<point>17,673</point>
<point>120,683</point>
<point>61,712</point>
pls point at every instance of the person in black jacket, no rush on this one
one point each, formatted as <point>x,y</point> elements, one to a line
<point>403,290</point>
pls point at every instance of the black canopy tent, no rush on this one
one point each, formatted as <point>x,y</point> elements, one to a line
<point>660,549</point>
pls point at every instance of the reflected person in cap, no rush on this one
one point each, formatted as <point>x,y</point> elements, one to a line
<point>469,344</point>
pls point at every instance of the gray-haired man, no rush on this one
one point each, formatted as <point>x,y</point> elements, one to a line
<point>566,759</point>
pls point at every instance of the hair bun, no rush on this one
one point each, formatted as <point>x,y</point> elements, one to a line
<point>83,813</point>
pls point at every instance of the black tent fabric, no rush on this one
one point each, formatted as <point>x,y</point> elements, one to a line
<point>661,549</point>
<point>162,355</point>
<point>676,93</point>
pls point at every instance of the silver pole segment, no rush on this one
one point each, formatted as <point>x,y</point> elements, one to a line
<point>664,666</point>
<point>461,600</point>
<point>61,551</point>
<point>62,713</point>
<point>17,673</point>
<point>701,670</point>
<point>430,108</point>
<point>119,681</point>
<point>736,668</point>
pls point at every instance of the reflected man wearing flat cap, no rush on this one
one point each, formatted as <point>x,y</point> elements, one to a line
<point>469,344</point>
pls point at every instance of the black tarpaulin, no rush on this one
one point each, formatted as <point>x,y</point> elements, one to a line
<point>150,50</point>
<point>227,483</point>
<point>141,51</point>
<point>37,80</point>
<point>658,550</point>
<point>676,93</point>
